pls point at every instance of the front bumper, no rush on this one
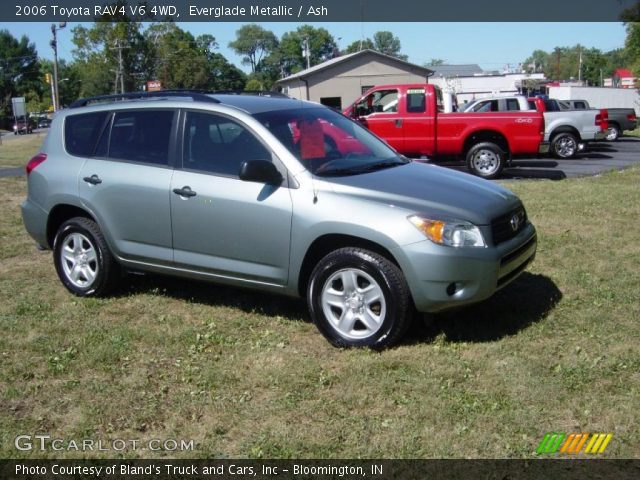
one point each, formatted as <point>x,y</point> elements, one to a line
<point>444,277</point>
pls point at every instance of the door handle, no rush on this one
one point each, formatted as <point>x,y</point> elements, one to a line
<point>93,179</point>
<point>184,191</point>
<point>398,123</point>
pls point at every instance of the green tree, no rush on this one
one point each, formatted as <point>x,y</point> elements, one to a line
<point>387,43</point>
<point>179,60</point>
<point>364,44</point>
<point>434,62</point>
<point>632,47</point>
<point>254,43</point>
<point>19,70</point>
<point>322,47</point>
<point>97,51</point>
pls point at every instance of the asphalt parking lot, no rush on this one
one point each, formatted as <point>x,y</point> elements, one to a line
<point>598,157</point>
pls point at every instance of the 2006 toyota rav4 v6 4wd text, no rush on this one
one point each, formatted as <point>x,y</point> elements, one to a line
<point>272,193</point>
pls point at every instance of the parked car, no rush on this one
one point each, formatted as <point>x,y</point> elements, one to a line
<point>568,131</point>
<point>412,119</point>
<point>23,125</point>
<point>619,119</point>
<point>44,123</point>
<point>249,191</point>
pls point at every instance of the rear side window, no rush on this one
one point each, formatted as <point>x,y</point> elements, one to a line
<point>512,104</point>
<point>580,105</point>
<point>81,132</point>
<point>415,100</point>
<point>141,136</point>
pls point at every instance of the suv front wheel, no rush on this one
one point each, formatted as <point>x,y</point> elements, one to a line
<point>358,298</point>
<point>82,259</point>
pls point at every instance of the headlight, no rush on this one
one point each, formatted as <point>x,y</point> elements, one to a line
<point>452,233</point>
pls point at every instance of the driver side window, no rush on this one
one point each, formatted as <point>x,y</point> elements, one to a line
<point>216,144</point>
<point>380,101</point>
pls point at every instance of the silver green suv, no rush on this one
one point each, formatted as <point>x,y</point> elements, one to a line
<point>270,193</point>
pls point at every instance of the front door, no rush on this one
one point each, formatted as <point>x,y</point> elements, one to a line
<point>379,112</point>
<point>223,226</point>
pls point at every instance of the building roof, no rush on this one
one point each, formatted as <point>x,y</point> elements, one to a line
<point>623,73</point>
<point>468,70</point>
<point>345,58</point>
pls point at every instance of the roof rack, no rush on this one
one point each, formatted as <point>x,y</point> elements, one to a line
<point>195,95</point>
<point>260,93</point>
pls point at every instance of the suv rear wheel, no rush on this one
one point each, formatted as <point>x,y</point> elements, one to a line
<point>82,259</point>
<point>358,298</point>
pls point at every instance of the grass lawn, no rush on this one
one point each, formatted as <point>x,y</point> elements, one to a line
<point>16,152</point>
<point>244,374</point>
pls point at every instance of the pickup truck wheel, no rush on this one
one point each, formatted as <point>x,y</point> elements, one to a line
<point>82,259</point>
<point>564,145</point>
<point>486,160</point>
<point>358,298</point>
<point>613,133</point>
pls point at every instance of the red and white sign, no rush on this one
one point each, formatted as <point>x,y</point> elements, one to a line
<point>154,86</point>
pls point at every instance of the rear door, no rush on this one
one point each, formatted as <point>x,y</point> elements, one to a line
<point>223,226</point>
<point>418,124</point>
<point>379,112</point>
<point>126,183</point>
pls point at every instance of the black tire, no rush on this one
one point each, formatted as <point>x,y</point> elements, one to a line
<point>564,146</point>
<point>613,133</point>
<point>486,160</point>
<point>98,271</point>
<point>370,271</point>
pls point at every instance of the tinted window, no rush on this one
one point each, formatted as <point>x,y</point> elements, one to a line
<point>141,136</point>
<point>580,105</point>
<point>512,104</point>
<point>415,100</point>
<point>81,132</point>
<point>216,144</point>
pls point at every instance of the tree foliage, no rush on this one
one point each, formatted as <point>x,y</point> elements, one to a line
<point>19,70</point>
<point>254,43</point>
<point>563,63</point>
<point>364,44</point>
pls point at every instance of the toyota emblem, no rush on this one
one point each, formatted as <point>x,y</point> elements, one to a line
<point>515,222</point>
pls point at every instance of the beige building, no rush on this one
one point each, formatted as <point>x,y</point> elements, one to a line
<point>341,80</point>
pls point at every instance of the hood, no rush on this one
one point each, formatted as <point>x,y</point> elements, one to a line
<point>429,189</point>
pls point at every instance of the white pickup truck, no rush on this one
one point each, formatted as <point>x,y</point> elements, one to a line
<point>567,131</point>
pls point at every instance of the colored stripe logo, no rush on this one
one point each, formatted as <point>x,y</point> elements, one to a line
<point>574,443</point>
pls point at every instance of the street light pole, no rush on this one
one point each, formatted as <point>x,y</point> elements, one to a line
<point>54,45</point>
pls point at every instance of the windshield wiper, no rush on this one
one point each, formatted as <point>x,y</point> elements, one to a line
<point>355,170</point>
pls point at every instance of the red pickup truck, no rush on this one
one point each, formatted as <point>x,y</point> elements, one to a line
<point>410,118</point>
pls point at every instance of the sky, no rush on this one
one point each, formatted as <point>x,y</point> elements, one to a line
<point>491,45</point>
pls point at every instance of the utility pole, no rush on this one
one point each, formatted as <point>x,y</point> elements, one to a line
<point>306,51</point>
<point>120,70</point>
<point>579,64</point>
<point>54,45</point>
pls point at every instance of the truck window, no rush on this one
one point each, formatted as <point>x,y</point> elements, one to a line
<point>580,105</point>
<point>487,106</point>
<point>380,101</point>
<point>415,100</point>
<point>512,104</point>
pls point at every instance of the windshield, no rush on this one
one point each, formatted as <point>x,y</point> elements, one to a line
<point>327,143</point>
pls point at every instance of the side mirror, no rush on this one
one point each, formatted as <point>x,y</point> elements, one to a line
<point>260,171</point>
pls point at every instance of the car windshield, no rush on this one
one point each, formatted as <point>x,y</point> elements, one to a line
<point>327,143</point>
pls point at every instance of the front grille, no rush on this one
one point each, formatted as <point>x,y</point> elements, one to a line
<point>502,226</point>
